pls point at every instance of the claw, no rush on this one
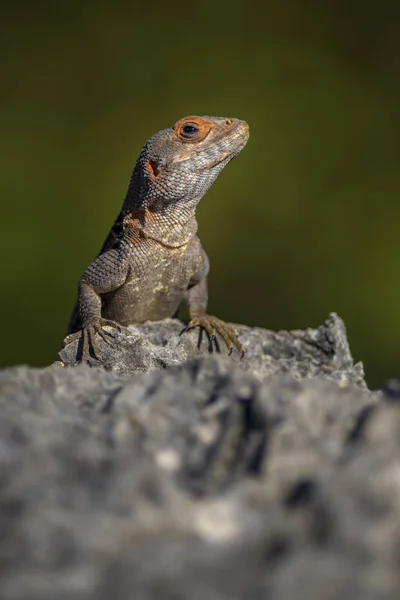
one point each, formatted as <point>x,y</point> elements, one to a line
<point>105,335</point>
<point>87,336</point>
<point>213,326</point>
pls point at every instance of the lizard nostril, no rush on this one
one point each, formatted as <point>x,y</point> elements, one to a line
<point>229,121</point>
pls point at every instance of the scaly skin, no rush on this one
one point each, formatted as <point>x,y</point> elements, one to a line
<point>152,258</point>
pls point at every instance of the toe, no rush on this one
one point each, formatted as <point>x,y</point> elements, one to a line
<point>109,323</point>
<point>93,343</point>
<point>105,337</point>
<point>72,337</point>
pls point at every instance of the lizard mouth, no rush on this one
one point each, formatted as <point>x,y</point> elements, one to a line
<point>221,158</point>
<point>229,155</point>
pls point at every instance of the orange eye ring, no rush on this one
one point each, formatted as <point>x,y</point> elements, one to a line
<point>192,129</point>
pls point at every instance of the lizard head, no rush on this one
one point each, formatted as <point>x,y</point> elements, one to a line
<point>207,142</point>
<point>179,164</point>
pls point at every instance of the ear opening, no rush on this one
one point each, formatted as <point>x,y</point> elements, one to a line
<point>152,167</point>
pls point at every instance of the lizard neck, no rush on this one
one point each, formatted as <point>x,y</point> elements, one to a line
<point>143,223</point>
<point>149,212</point>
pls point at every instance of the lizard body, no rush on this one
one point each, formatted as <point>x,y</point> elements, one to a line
<point>152,258</point>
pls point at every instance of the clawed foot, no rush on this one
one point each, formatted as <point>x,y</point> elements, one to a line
<point>213,326</point>
<point>88,336</point>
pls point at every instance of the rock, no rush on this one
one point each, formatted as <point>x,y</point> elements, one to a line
<point>275,476</point>
<point>322,352</point>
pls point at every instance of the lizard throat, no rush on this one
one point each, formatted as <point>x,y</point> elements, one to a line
<point>145,224</point>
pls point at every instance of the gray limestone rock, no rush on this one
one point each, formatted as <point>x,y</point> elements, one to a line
<point>175,474</point>
<point>322,352</point>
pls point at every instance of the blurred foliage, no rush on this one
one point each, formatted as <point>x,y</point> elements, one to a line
<point>305,222</point>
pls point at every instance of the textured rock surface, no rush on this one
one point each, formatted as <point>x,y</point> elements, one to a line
<point>273,477</point>
<point>310,353</point>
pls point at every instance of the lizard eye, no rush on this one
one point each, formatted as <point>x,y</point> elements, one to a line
<point>189,130</point>
<point>192,129</point>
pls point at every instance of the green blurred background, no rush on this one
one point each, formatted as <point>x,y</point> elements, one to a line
<point>305,222</point>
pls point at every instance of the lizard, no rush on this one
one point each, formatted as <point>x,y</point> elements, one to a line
<point>152,258</point>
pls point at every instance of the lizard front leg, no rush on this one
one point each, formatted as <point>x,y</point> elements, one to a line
<point>197,299</point>
<point>107,273</point>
